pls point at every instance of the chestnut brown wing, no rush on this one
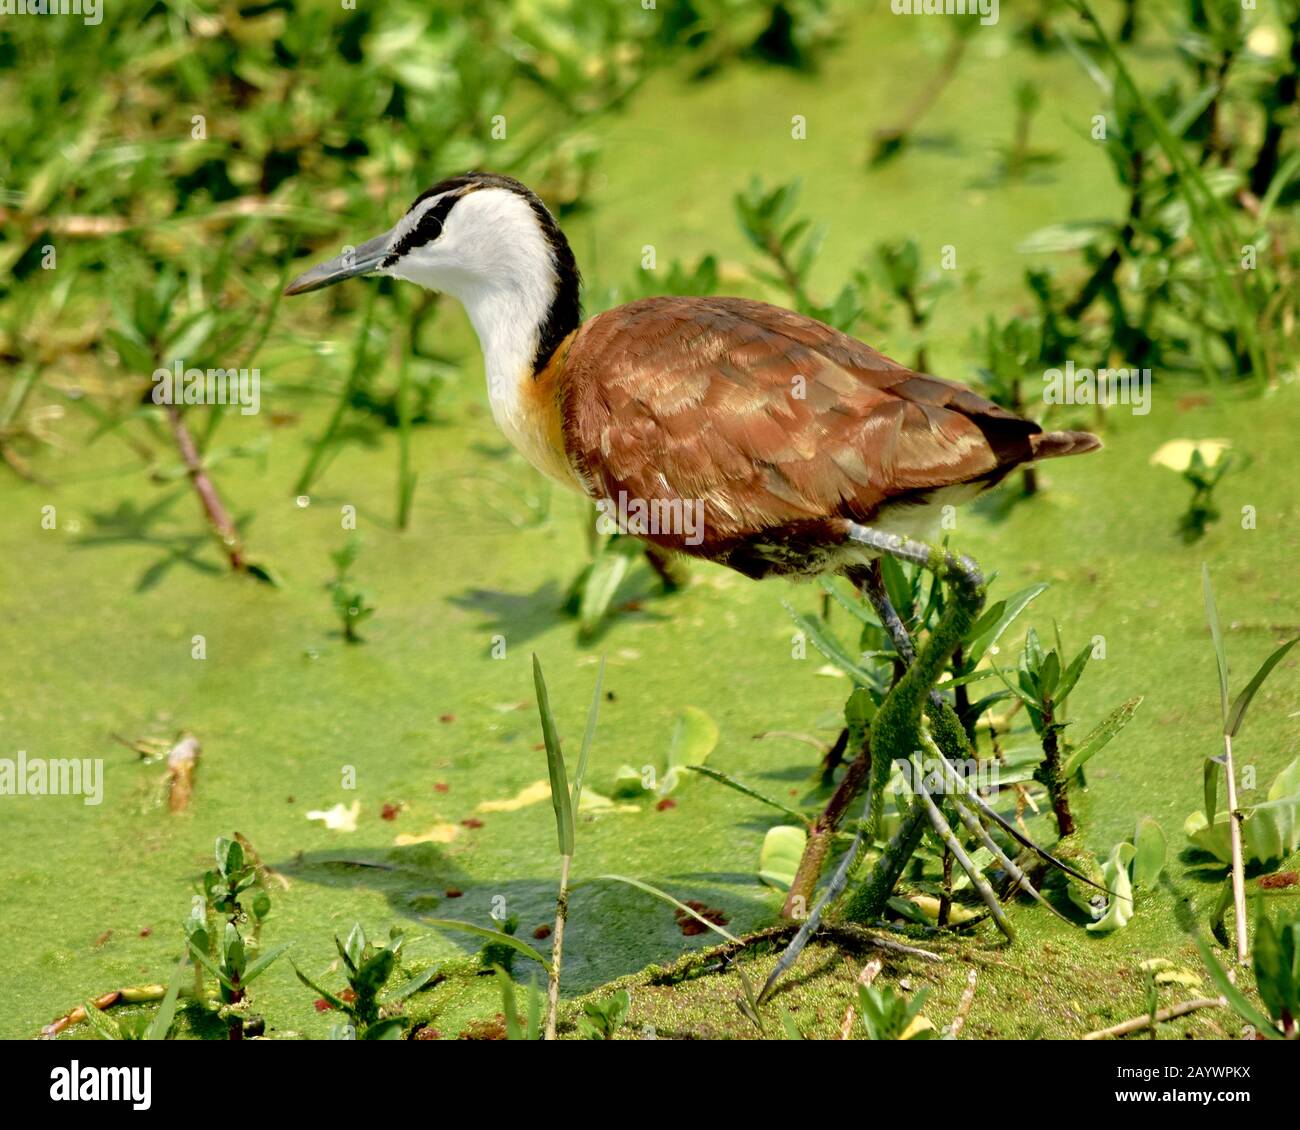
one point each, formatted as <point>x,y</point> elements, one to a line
<point>770,418</point>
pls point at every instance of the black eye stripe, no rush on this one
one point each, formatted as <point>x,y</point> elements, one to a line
<point>427,229</point>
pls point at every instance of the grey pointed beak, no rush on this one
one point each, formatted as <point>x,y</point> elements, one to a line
<point>361,260</point>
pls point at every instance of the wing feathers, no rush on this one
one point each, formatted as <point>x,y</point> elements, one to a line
<point>770,417</point>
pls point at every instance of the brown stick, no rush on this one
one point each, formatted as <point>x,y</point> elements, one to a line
<point>1235,817</point>
<point>822,835</point>
<point>963,1005</point>
<point>134,994</point>
<point>213,507</point>
<point>869,973</point>
<point>557,949</point>
<point>1140,1022</point>
<point>1057,786</point>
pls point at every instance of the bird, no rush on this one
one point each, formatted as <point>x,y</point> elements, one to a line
<point>752,436</point>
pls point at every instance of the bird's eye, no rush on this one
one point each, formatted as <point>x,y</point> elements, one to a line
<point>427,228</point>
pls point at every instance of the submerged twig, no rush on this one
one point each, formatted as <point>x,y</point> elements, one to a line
<point>213,508</point>
<point>1138,1023</point>
<point>182,762</point>
<point>869,973</point>
<point>963,1005</point>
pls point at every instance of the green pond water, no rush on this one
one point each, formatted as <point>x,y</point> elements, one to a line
<point>97,640</point>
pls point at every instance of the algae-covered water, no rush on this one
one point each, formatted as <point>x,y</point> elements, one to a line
<point>427,721</point>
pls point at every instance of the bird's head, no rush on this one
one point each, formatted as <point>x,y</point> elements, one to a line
<point>485,239</point>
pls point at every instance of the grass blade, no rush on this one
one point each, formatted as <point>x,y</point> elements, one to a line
<point>1238,713</point>
<point>1233,995</point>
<point>740,787</point>
<point>666,897</point>
<point>166,1014</point>
<point>508,1007</point>
<point>491,935</point>
<point>554,764</point>
<point>1216,634</point>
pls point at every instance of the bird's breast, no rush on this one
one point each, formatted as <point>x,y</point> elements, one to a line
<point>528,411</point>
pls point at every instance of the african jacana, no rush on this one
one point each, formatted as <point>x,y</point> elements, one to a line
<point>809,451</point>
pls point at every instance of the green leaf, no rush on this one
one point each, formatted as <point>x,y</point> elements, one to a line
<point>560,798</point>
<point>693,738</point>
<point>1151,845</point>
<point>1098,739</point>
<point>103,1025</point>
<point>230,857</point>
<point>352,950</point>
<point>1049,675</point>
<point>1277,963</point>
<point>1272,829</point>
<point>261,965</point>
<point>606,574</point>
<point>628,782</point>
<point>1210,787</point>
<point>1237,715</point>
<point>374,971</point>
<point>411,987</point>
<point>1073,672</point>
<point>989,630</point>
<point>825,642</point>
<point>1115,877</point>
<point>780,855</point>
<point>390,1028</point>
<point>859,609</point>
<point>1072,236</point>
<point>492,935</point>
<point>324,994</point>
<point>207,963</point>
<point>666,897</point>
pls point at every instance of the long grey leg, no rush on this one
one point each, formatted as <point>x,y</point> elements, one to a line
<point>919,553</point>
<point>873,584</point>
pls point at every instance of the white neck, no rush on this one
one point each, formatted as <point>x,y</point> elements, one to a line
<point>508,321</point>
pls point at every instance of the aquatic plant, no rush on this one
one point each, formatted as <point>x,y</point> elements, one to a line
<point>217,944</point>
<point>368,1005</point>
<point>350,604</point>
